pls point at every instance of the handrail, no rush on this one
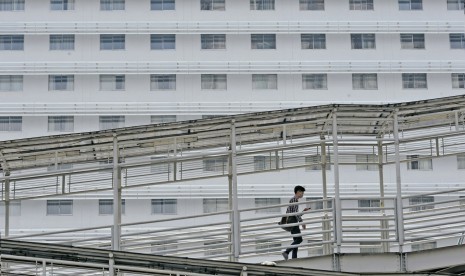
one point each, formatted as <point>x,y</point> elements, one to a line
<point>233,27</point>
<point>230,67</point>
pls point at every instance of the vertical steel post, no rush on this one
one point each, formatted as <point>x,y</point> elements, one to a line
<point>456,121</point>
<point>116,233</point>
<point>111,265</point>
<point>326,224</point>
<point>399,204</point>
<point>7,204</point>
<point>175,163</point>
<point>337,198</point>
<point>384,223</point>
<point>236,236</point>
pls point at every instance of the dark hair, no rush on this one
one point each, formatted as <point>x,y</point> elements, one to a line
<point>298,188</point>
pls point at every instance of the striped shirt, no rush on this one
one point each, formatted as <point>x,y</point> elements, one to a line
<point>294,208</point>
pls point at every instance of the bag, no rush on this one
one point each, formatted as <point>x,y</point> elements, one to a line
<point>287,220</point>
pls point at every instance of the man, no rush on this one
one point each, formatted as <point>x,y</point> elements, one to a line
<point>298,193</point>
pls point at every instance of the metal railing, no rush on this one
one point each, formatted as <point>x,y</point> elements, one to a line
<point>234,27</point>
<point>364,229</point>
<point>230,67</point>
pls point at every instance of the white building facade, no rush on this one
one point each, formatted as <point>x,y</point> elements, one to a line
<point>85,65</point>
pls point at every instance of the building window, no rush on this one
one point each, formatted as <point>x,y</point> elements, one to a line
<point>263,163</point>
<point>312,5</point>
<point>214,82</point>
<point>15,208</point>
<point>264,81</point>
<point>412,41</point>
<point>263,41</point>
<point>313,41</point>
<point>414,81</point>
<point>461,162</point>
<point>9,83</point>
<point>418,162</point>
<point>418,200</point>
<point>105,206</point>
<point>60,123</point>
<point>163,42</point>
<point>424,246</point>
<point>59,207</point>
<point>363,41</point>
<point>162,5</point>
<point>60,83</point>
<point>261,5</point>
<point>213,205</point>
<point>212,5</point>
<point>313,163</point>
<point>162,119</point>
<point>365,162</point>
<point>263,202</point>
<point>62,42</point>
<point>59,167</point>
<point>11,5</point>
<point>109,122</point>
<point>361,4</point>
<point>368,204</point>
<point>11,123</point>
<point>112,41</point>
<point>318,205</point>
<point>457,41</point>
<point>61,5</point>
<point>162,82</point>
<point>11,42</point>
<point>455,4</point>
<point>370,247</point>
<point>218,164</point>
<point>407,5</point>
<point>112,82</point>
<point>458,80</point>
<point>213,41</point>
<point>314,81</point>
<point>365,81</point>
<point>164,206</point>
<point>112,5</point>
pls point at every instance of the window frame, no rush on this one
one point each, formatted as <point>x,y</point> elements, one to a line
<point>361,5</point>
<point>62,42</point>
<point>363,41</point>
<point>419,163</point>
<point>363,81</point>
<point>214,82</point>
<point>112,42</point>
<point>262,5</point>
<point>60,83</point>
<point>11,42</point>
<point>212,5</point>
<point>312,5</point>
<point>11,83</point>
<point>107,201</point>
<point>60,204</point>
<point>11,123</point>
<point>60,124</point>
<point>213,41</point>
<point>263,41</point>
<point>220,205</point>
<point>457,5</point>
<point>62,5</point>
<point>109,82</point>
<point>414,81</point>
<point>412,41</point>
<point>268,81</point>
<point>412,5</point>
<point>112,5</point>
<point>13,5</point>
<point>457,41</point>
<point>160,42</point>
<point>106,123</point>
<point>163,5</point>
<point>313,41</point>
<point>264,202</point>
<point>315,81</point>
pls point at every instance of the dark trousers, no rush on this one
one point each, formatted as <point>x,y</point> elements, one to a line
<point>297,240</point>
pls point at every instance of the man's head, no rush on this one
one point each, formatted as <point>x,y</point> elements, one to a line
<point>299,191</point>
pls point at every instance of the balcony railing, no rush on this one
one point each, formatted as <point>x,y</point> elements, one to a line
<point>231,67</point>
<point>233,27</point>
